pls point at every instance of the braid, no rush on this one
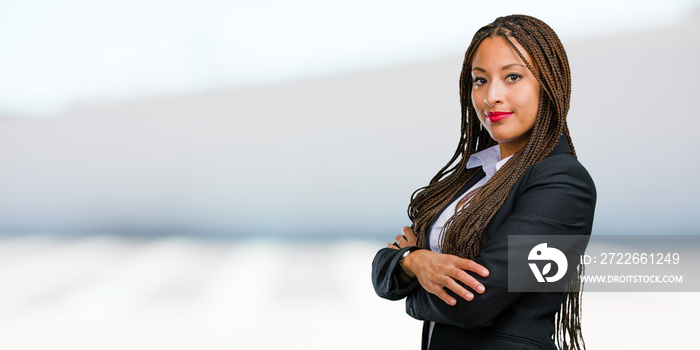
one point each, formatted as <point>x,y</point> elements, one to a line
<point>461,234</point>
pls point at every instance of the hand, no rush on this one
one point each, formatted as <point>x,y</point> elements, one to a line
<point>407,239</point>
<point>437,271</point>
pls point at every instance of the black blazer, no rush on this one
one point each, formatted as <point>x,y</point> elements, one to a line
<point>555,196</point>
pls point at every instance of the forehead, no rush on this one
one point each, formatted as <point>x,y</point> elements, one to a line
<point>495,52</point>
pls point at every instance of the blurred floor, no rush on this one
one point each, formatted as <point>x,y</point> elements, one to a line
<point>112,293</point>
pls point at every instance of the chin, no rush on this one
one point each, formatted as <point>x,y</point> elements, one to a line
<point>503,137</point>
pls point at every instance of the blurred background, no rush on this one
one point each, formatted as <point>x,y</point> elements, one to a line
<point>219,174</point>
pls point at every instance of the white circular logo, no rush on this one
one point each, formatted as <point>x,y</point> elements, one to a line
<point>541,252</point>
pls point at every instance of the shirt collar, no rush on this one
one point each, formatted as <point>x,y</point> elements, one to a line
<point>488,159</point>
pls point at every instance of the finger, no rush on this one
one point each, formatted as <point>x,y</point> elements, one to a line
<point>392,246</point>
<point>458,289</point>
<point>410,235</point>
<point>470,265</point>
<point>468,280</point>
<point>400,239</point>
<point>442,294</point>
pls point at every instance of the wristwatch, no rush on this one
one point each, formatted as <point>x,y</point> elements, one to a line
<point>403,256</point>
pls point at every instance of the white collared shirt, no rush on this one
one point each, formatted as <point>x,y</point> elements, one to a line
<point>490,161</point>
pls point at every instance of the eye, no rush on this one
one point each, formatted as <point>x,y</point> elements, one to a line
<point>478,81</point>
<point>513,77</point>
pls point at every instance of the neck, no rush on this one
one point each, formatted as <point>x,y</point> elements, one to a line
<point>509,148</point>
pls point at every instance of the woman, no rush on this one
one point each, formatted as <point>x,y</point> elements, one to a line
<point>514,173</point>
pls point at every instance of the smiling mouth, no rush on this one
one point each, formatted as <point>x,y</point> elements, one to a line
<point>496,116</point>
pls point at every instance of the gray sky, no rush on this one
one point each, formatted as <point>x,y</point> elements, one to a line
<point>56,53</point>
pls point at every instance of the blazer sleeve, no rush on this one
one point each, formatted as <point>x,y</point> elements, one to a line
<point>553,200</point>
<point>384,279</point>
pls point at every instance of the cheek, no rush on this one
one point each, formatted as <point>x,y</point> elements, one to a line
<point>478,101</point>
<point>479,107</point>
<point>528,103</point>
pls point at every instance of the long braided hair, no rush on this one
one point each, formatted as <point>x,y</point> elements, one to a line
<point>461,235</point>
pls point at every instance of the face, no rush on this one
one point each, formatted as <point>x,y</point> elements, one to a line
<point>505,94</point>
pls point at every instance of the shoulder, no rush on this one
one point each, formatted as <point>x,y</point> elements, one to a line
<point>561,168</point>
<point>555,189</point>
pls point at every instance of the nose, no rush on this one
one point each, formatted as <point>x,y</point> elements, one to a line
<point>494,94</point>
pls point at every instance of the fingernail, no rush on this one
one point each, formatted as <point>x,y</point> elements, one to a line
<point>480,289</point>
<point>485,272</point>
<point>452,301</point>
<point>469,296</point>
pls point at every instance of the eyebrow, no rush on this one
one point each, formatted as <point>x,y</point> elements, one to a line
<point>502,68</point>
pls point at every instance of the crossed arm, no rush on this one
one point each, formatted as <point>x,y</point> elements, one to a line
<point>446,288</point>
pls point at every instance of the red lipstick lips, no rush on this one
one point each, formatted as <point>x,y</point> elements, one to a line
<point>496,116</point>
